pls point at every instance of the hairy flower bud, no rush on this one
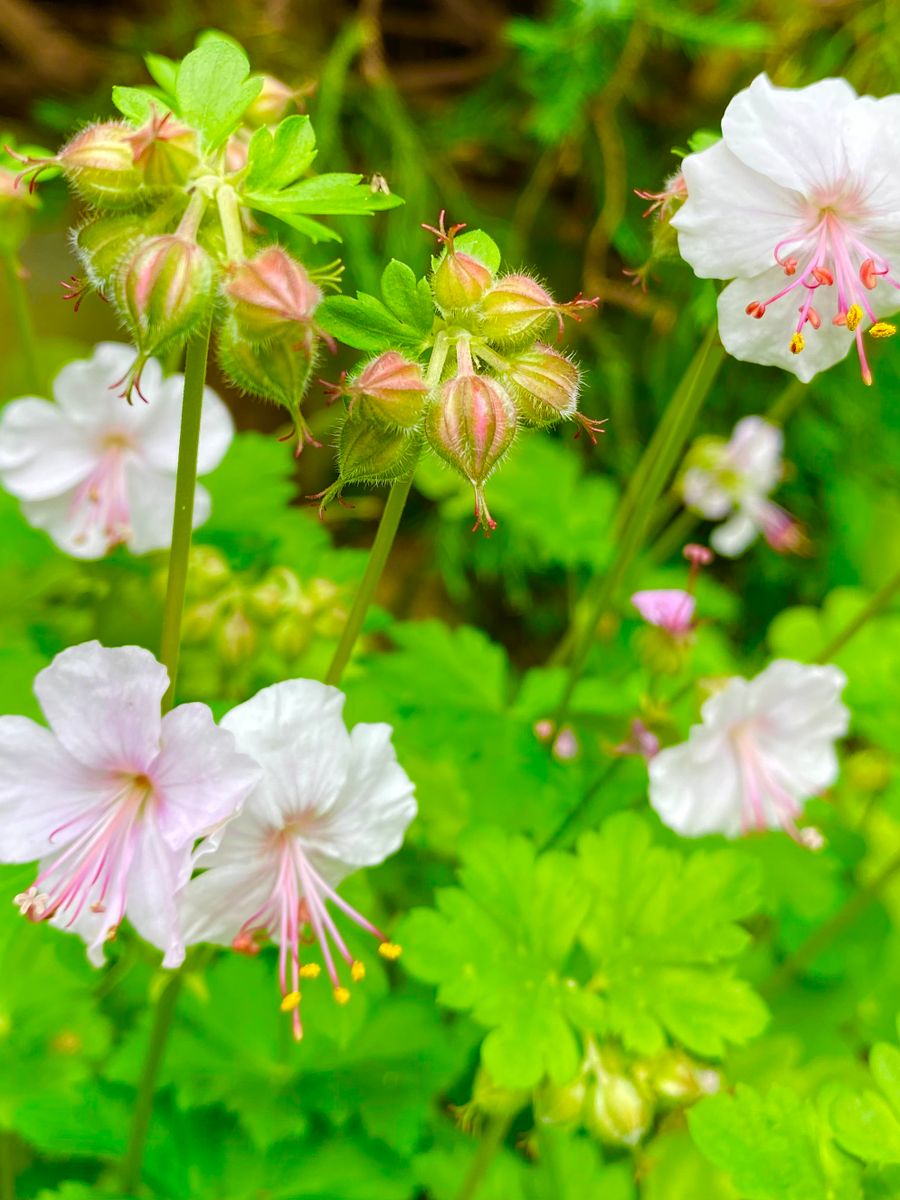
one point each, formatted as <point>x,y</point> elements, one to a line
<point>471,424</point>
<point>165,150</point>
<point>517,309</point>
<point>390,389</point>
<point>676,1079</point>
<point>273,102</point>
<point>369,453</point>
<point>99,164</point>
<point>271,295</point>
<point>560,1104</point>
<point>545,384</point>
<point>459,280</point>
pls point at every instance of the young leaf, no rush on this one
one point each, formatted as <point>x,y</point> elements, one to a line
<point>275,161</point>
<point>410,301</point>
<point>163,71</point>
<point>138,104</point>
<point>366,324</point>
<point>662,926</point>
<point>334,195</point>
<point>213,89</point>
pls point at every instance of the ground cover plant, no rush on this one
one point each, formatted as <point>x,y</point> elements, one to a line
<point>450,622</point>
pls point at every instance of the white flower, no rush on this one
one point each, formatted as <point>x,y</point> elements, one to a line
<point>112,797</point>
<point>764,748</point>
<point>733,480</point>
<point>95,471</point>
<point>328,803</point>
<point>798,204</point>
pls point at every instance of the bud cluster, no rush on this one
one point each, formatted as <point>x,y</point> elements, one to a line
<point>259,626</point>
<point>167,240</point>
<point>490,372</point>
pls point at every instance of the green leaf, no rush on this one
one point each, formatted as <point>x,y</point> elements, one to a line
<point>477,243</point>
<point>866,1125</point>
<point>661,930</point>
<point>163,71</point>
<point>213,89</point>
<point>275,161</point>
<point>366,324</point>
<point>497,947</point>
<point>336,194</point>
<point>138,104</point>
<point>410,301</point>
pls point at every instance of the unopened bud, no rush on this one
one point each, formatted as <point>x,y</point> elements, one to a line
<point>291,635</point>
<point>104,242</point>
<point>165,150</point>
<point>199,620</point>
<point>617,1111</point>
<point>99,164</point>
<point>369,453</point>
<point>272,296</point>
<point>518,308</point>
<point>556,1104</point>
<point>209,572</point>
<point>471,425</point>
<point>273,102</point>
<point>544,384</point>
<point>236,640</point>
<point>459,280</point>
<point>390,389</point>
<point>676,1079</point>
<point>494,1100</point>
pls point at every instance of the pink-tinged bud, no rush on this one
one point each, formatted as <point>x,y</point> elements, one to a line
<point>641,741</point>
<point>271,295</point>
<point>16,205</point>
<point>273,102</point>
<point>783,532</point>
<point>104,242</point>
<point>698,556</point>
<point>99,164</point>
<point>369,453</point>
<point>390,390</point>
<point>278,371</point>
<point>165,149</point>
<point>459,280</point>
<point>518,308</point>
<point>164,290</point>
<point>544,385</point>
<point>471,425</point>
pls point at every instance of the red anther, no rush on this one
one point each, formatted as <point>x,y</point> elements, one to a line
<point>790,266</point>
<point>840,319</point>
<point>868,275</point>
<point>755,309</point>
<point>813,317</point>
<point>823,276</point>
<point>698,556</point>
<point>245,943</point>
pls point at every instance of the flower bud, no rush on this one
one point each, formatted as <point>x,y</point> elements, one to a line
<point>103,243</point>
<point>99,164</point>
<point>390,390</point>
<point>556,1104</point>
<point>274,594</point>
<point>369,453</point>
<point>164,290</point>
<point>471,425</point>
<point>236,640</point>
<point>165,150</point>
<point>676,1079</point>
<point>459,280</point>
<point>209,572</point>
<point>493,1100</point>
<point>517,309</point>
<point>617,1111</point>
<point>272,296</point>
<point>291,635</point>
<point>544,384</point>
<point>273,102</point>
<point>199,620</point>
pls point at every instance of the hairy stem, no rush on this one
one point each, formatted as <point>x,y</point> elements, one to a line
<point>876,604</point>
<point>487,1149</point>
<point>230,218</point>
<point>143,1105</point>
<point>21,315</point>
<point>183,523</point>
<point>660,459</point>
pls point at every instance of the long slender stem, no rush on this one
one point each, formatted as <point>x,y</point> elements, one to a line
<point>381,548</point>
<point>183,523</point>
<point>21,314</point>
<point>879,601</point>
<point>143,1106</point>
<point>484,1156</point>
<point>663,454</point>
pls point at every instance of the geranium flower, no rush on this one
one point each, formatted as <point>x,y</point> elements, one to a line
<point>798,205</point>
<point>733,480</point>
<point>95,471</point>
<point>112,797</point>
<point>765,747</point>
<point>671,609</point>
<point>328,803</point>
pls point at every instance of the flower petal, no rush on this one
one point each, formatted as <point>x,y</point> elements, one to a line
<point>214,906</point>
<point>733,217</point>
<point>160,432</point>
<point>85,390</point>
<point>157,875</point>
<point>703,493</point>
<point>41,453</point>
<point>791,135</point>
<point>42,789</point>
<point>103,704</point>
<point>755,452</point>
<point>670,608</point>
<point>733,537</point>
<point>695,787</point>
<point>151,507</point>
<point>199,777</point>
<point>60,518</point>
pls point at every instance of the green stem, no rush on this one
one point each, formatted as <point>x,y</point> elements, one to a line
<point>663,455</point>
<point>230,218</point>
<point>143,1105</point>
<point>810,950</point>
<point>183,523</point>
<point>381,548</point>
<point>488,1147</point>
<point>879,601</point>
<point>786,402</point>
<point>564,834</point>
<point>675,535</point>
<point>21,314</point>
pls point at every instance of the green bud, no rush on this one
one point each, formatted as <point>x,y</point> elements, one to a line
<point>369,453</point>
<point>291,635</point>
<point>617,1111</point>
<point>236,638</point>
<point>99,164</point>
<point>199,620</point>
<point>165,150</point>
<point>103,243</point>
<point>676,1079</point>
<point>274,101</point>
<point>390,389</point>
<point>518,309</point>
<point>560,1104</point>
<point>493,1100</point>
<point>459,280</point>
<point>208,573</point>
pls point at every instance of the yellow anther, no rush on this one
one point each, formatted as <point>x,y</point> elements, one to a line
<point>357,972</point>
<point>390,950</point>
<point>341,995</point>
<point>797,343</point>
<point>882,329</point>
<point>854,316</point>
<point>310,971</point>
<point>290,1001</point>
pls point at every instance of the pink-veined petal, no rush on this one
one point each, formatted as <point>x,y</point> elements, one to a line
<point>695,787</point>
<point>215,905</point>
<point>670,608</point>
<point>62,520</point>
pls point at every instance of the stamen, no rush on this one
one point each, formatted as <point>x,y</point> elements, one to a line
<point>755,309</point>
<point>854,316</point>
<point>357,971</point>
<point>882,329</point>
<point>797,343</point>
<point>823,276</point>
<point>310,971</point>
<point>342,995</point>
<point>290,1002</point>
<point>390,950</point>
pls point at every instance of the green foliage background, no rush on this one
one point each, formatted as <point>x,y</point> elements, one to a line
<point>776,968</point>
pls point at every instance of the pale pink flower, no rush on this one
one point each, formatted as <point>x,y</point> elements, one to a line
<point>112,797</point>
<point>95,471</point>
<point>765,746</point>
<point>798,205</point>
<point>671,609</point>
<point>640,741</point>
<point>328,803</point>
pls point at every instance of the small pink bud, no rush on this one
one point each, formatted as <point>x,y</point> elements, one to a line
<point>390,389</point>
<point>98,162</point>
<point>273,102</point>
<point>272,295</point>
<point>565,748</point>
<point>670,609</point>
<point>471,425</point>
<point>517,307</point>
<point>165,149</point>
<point>641,741</point>
<point>698,556</point>
<point>459,280</point>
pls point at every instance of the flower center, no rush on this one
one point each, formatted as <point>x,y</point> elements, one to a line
<point>828,252</point>
<point>101,501</point>
<point>764,798</point>
<point>298,901</point>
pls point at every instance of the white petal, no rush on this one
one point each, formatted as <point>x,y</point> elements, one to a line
<point>42,453</point>
<point>215,905</point>
<point>370,816</point>
<point>42,789</point>
<point>157,875</point>
<point>695,787</point>
<point>296,732</point>
<point>704,494</point>
<point>61,519</point>
<point>733,538</point>
<point>160,432</point>
<point>151,507</point>
<point>755,452</point>
<point>767,341</point>
<point>792,135</point>
<point>733,217</point>
<point>870,130</point>
<point>103,704</point>
<point>86,391</point>
<point>199,777</point>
